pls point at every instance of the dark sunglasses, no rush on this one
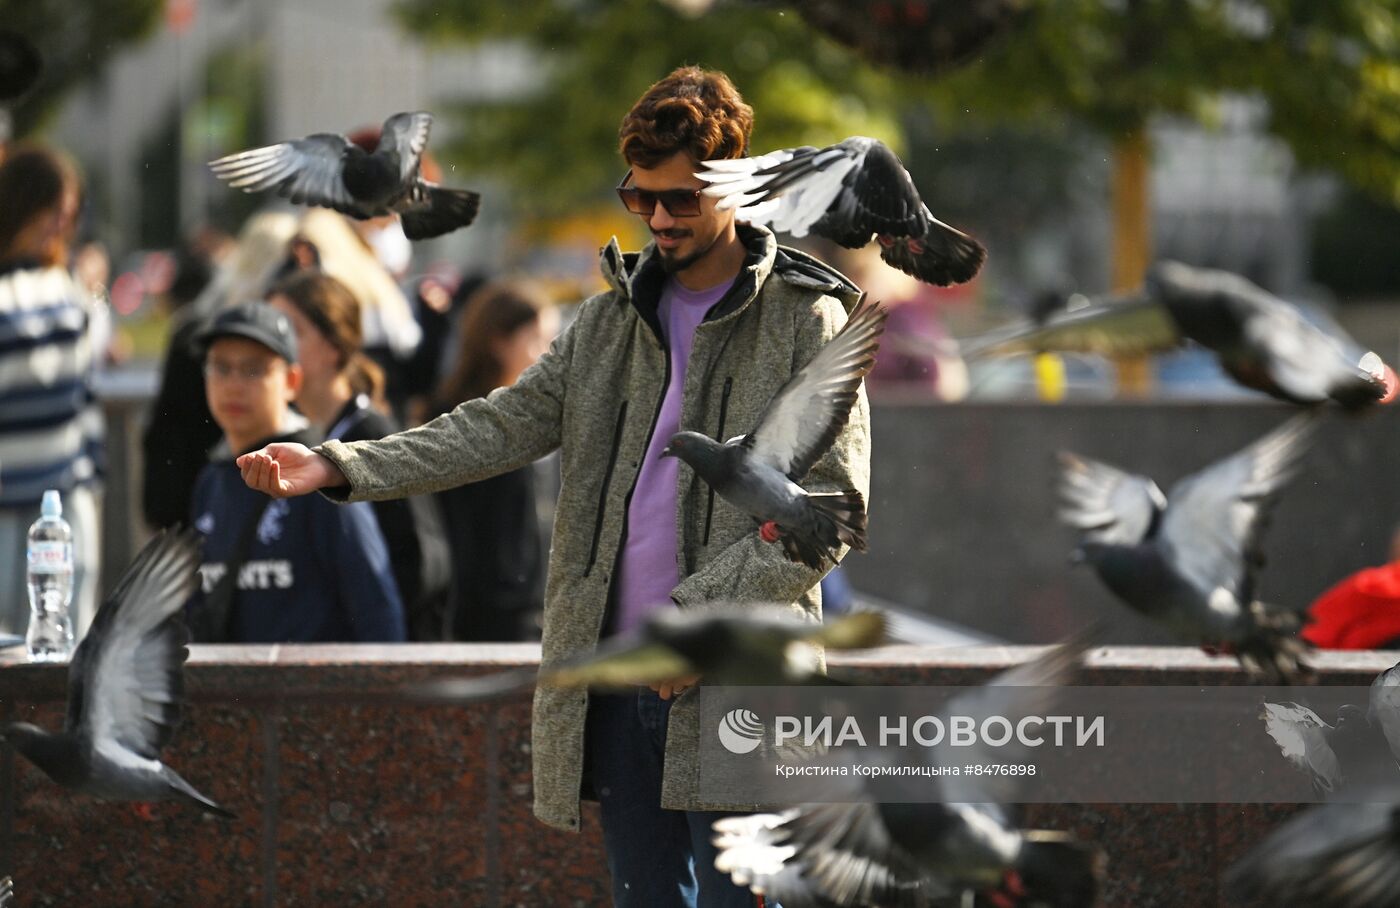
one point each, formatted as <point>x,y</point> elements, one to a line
<point>680,203</point>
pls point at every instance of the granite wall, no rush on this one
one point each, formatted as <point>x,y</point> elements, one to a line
<point>347,796</point>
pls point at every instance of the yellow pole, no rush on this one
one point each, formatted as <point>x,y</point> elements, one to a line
<point>1132,241</point>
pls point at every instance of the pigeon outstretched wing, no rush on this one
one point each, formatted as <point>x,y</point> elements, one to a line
<point>406,134</point>
<point>1121,327</point>
<point>1337,855</point>
<point>306,171</point>
<point>849,192</point>
<point>1301,736</point>
<point>803,419</point>
<point>1213,527</point>
<point>1107,504</point>
<point>125,680</point>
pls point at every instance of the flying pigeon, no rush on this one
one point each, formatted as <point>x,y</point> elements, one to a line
<point>1336,855</point>
<point>727,643</point>
<point>1190,560</point>
<point>1261,341</point>
<point>1361,751</point>
<point>7,892</point>
<point>848,192</point>
<point>125,687</point>
<point>759,472</point>
<point>329,170</point>
<point>865,853</point>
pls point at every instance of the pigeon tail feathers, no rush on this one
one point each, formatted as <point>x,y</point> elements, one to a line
<point>942,256</point>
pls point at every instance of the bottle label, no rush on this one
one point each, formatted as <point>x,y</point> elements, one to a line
<point>50,557</point>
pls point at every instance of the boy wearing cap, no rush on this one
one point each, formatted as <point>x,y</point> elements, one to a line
<point>287,571</point>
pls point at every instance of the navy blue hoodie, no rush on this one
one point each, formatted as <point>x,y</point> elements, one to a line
<point>316,571</point>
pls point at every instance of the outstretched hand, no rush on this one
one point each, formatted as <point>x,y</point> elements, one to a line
<point>287,470</point>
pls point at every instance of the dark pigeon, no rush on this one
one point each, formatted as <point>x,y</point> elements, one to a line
<point>1359,752</point>
<point>866,853</point>
<point>850,193</point>
<point>1261,341</point>
<point>1335,855</point>
<point>759,472</point>
<point>1191,560</point>
<point>726,643</point>
<point>126,686</point>
<point>329,170</point>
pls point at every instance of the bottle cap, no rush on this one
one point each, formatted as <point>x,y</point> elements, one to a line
<point>52,505</point>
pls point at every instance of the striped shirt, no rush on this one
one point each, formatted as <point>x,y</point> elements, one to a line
<point>50,424</point>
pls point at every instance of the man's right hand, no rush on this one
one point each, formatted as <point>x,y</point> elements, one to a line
<point>288,470</point>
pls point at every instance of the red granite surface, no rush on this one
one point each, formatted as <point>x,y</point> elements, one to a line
<point>347,795</point>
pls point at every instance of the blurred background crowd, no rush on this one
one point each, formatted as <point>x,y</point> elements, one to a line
<point>1079,139</point>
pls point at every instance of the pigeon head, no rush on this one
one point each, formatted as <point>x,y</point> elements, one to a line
<point>700,451</point>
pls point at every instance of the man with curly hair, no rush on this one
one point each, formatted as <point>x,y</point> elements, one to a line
<point>696,331</point>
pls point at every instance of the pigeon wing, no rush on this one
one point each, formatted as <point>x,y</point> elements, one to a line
<point>1120,328</point>
<point>1301,737</point>
<point>1107,504</point>
<point>1341,855</point>
<point>306,171</point>
<point>876,196</point>
<point>406,134</point>
<point>819,855</point>
<point>805,183</point>
<point>126,682</point>
<point>803,419</point>
<point>1213,527</point>
<point>621,662</point>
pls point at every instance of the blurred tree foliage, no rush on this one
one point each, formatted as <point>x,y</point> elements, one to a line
<point>76,38</point>
<point>1328,68</point>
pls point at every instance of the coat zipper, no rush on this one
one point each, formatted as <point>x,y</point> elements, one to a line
<point>603,493</point>
<point>719,437</point>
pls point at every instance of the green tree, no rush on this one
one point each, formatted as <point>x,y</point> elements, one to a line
<point>76,38</point>
<point>598,56</point>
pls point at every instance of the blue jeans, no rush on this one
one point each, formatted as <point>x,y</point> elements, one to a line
<point>658,858</point>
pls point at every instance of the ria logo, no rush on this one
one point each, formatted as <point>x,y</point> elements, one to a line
<point>740,731</point>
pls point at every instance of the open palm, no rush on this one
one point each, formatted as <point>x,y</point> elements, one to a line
<point>285,470</point>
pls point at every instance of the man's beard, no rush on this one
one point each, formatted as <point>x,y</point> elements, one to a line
<point>671,263</point>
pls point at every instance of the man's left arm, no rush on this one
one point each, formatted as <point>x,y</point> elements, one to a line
<point>751,570</point>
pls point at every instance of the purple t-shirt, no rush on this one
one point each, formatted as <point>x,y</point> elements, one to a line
<point>647,570</point>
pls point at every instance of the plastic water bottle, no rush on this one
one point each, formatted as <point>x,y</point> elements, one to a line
<point>50,637</point>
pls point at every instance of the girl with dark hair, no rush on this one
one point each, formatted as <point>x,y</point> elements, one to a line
<point>492,527</point>
<point>51,428</point>
<point>343,395</point>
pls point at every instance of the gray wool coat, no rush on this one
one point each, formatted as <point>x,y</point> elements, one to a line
<point>595,396</point>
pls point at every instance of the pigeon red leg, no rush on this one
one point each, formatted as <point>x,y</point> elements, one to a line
<point>144,810</point>
<point>769,531</point>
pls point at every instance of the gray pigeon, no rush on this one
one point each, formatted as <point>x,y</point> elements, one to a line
<point>1190,560</point>
<point>1360,751</point>
<point>726,643</point>
<point>125,687</point>
<point>759,472</point>
<point>1263,342</point>
<point>329,170</point>
<point>907,854</point>
<point>850,193</point>
<point>1330,856</point>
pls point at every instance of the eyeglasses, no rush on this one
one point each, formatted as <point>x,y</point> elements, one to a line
<point>249,372</point>
<point>680,203</point>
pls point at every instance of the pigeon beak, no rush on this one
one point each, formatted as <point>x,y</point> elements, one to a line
<point>667,452</point>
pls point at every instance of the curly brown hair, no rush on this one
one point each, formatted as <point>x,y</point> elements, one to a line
<point>693,110</point>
